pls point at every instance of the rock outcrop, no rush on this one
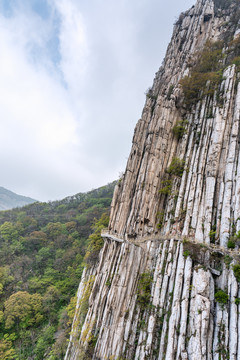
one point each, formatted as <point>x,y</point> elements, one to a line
<point>167,284</point>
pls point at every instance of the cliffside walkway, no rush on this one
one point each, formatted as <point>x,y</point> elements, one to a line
<point>105,234</point>
<point>140,241</point>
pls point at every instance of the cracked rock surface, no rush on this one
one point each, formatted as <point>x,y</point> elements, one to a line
<point>181,320</point>
<point>165,287</point>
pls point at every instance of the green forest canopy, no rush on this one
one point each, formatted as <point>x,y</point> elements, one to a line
<point>42,251</point>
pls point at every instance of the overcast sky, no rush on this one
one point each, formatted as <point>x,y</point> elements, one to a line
<point>72,79</point>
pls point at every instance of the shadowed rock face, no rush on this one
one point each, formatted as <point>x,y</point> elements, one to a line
<point>178,184</point>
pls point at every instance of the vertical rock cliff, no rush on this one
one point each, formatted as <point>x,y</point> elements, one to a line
<point>167,282</point>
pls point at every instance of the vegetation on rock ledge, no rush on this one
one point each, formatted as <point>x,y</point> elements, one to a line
<point>221,297</point>
<point>236,271</point>
<point>144,290</point>
<point>176,167</point>
<point>205,75</point>
<point>207,69</point>
<point>179,128</point>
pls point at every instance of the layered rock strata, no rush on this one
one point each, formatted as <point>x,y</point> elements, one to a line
<point>166,286</point>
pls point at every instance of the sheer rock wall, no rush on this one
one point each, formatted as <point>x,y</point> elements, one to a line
<point>208,190</point>
<point>182,319</point>
<point>192,296</point>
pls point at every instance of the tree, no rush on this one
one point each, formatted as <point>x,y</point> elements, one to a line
<point>35,241</point>
<point>55,229</point>
<point>23,310</point>
<point>44,341</point>
<point>95,241</point>
<point>6,350</point>
<point>8,231</point>
<point>50,302</point>
<point>5,278</point>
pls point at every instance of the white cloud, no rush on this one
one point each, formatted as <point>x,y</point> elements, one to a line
<point>37,121</point>
<point>73,44</point>
<point>67,124</point>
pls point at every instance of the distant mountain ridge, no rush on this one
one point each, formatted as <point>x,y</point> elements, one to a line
<point>10,200</point>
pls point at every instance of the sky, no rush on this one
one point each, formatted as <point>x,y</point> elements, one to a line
<point>73,77</point>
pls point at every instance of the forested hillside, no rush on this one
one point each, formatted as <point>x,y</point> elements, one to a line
<point>42,250</point>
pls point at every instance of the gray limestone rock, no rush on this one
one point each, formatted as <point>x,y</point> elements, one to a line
<point>164,287</point>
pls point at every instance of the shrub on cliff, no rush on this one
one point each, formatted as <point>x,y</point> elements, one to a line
<point>236,271</point>
<point>166,187</point>
<point>231,243</point>
<point>234,241</point>
<point>150,95</point>
<point>209,59</point>
<point>198,85</point>
<point>179,128</point>
<point>176,167</point>
<point>236,61</point>
<point>144,289</point>
<point>205,75</point>
<point>221,297</point>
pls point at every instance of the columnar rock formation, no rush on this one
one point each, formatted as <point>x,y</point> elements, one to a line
<point>209,147</point>
<point>167,286</point>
